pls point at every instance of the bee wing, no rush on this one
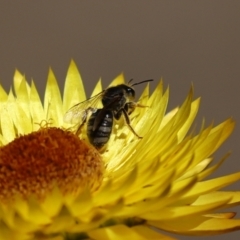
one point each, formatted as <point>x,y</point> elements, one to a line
<point>75,116</point>
<point>78,113</point>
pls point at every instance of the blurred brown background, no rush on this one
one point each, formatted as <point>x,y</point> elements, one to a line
<point>182,41</point>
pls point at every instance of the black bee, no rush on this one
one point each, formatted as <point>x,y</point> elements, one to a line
<point>116,101</point>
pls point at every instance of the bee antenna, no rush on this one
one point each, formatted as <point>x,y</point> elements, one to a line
<point>130,81</point>
<point>148,80</point>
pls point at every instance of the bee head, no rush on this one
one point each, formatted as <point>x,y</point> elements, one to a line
<point>130,92</point>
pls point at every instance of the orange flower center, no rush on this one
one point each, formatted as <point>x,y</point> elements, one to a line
<point>33,164</point>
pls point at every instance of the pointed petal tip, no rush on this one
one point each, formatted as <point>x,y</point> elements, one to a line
<point>191,92</point>
<point>72,64</point>
<point>50,71</point>
<point>120,79</point>
<point>17,72</point>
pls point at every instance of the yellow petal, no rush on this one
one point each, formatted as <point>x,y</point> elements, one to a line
<point>170,213</point>
<point>212,185</point>
<point>3,96</point>
<point>118,80</point>
<point>194,109</point>
<point>97,89</point>
<point>219,196</point>
<point>36,108</point>
<point>120,232</point>
<point>7,233</point>
<point>52,101</point>
<point>198,226</point>
<point>74,86</point>
<point>151,234</point>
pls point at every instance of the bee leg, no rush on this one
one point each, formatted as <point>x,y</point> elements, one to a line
<point>135,104</point>
<point>140,105</point>
<point>128,123</point>
<point>130,106</point>
<point>79,129</point>
<point>84,119</point>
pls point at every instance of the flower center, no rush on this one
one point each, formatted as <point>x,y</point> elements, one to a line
<point>37,162</point>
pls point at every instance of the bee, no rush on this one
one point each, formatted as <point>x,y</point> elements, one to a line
<point>117,101</point>
<point>101,135</point>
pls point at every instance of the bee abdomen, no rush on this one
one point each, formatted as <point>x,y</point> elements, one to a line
<point>100,136</point>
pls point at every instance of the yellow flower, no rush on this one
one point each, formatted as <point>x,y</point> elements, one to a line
<point>54,185</point>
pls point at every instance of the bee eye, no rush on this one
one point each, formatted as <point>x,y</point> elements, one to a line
<point>130,92</point>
